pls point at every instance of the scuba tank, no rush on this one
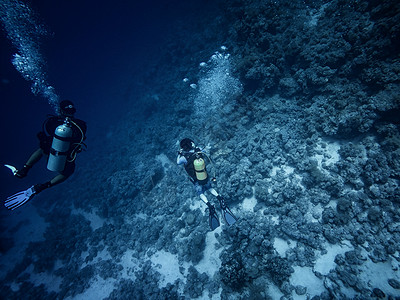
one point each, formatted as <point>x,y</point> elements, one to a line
<point>200,169</point>
<point>60,146</point>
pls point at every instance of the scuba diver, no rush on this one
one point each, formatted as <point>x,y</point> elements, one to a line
<point>61,139</point>
<point>192,158</point>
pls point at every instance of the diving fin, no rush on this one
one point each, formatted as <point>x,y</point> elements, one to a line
<point>12,168</point>
<point>213,217</point>
<point>19,199</point>
<point>229,217</point>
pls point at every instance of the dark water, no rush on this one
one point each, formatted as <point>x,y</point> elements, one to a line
<point>94,52</point>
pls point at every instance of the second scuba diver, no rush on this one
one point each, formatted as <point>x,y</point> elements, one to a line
<point>61,139</point>
<point>192,158</point>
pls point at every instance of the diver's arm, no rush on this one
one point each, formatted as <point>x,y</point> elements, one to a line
<point>181,160</point>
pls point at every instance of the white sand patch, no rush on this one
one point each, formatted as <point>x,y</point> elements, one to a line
<point>326,262</point>
<point>305,276</point>
<point>298,179</point>
<point>94,219</point>
<point>274,292</point>
<point>103,255</point>
<point>167,264</point>
<point>197,203</point>
<point>24,225</point>
<point>211,262</point>
<point>221,152</point>
<point>327,154</point>
<point>314,214</point>
<point>130,264</point>
<point>376,275</point>
<point>142,216</point>
<point>309,218</point>
<point>248,204</point>
<point>286,169</point>
<point>315,15</point>
<point>164,160</point>
<point>332,204</point>
<point>99,289</point>
<point>317,211</point>
<point>275,220</point>
<point>281,246</point>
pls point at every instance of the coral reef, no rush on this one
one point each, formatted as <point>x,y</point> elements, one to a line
<point>304,134</point>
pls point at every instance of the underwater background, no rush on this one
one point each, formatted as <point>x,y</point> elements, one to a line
<point>297,103</point>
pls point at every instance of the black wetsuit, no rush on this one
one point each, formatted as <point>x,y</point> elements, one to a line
<point>46,138</point>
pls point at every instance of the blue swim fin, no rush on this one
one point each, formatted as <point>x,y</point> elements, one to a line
<point>229,217</point>
<point>20,198</point>
<point>12,168</point>
<point>212,217</point>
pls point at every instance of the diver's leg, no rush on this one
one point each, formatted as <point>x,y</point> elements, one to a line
<point>203,198</point>
<point>67,172</point>
<point>58,179</point>
<point>33,159</point>
<point>200,191</point>
<point>214,192</point>
<point>212,215</point>
<point>220,198</point>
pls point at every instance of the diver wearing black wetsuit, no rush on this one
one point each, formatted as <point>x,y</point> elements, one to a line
<point>45,137</point>
<point>192,158</point>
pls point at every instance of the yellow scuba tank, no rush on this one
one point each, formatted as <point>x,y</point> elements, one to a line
<point>200,169</point>
<point>59,147</point>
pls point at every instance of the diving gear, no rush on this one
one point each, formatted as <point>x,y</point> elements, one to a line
<point>212,217</point>
<point>67,108</point>
<point>78,146</point>
<point>60,146</point>
<point>13,169</point>
<point>19,199</point>
<point>195,165</point>
<point>187,144</point>
<point>23,172</point>
<point>229,218</point>
<point>19,173</point>
<point>200,169</point>
<point>41,186</point>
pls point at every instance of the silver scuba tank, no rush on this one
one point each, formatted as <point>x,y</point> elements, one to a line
<point>59,147</point>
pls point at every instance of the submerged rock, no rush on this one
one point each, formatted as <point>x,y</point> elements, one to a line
<point>394,283</point>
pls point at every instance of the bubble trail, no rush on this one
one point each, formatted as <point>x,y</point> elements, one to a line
<point>25,32</point>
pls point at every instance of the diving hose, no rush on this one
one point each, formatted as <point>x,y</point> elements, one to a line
<point>78,145</point>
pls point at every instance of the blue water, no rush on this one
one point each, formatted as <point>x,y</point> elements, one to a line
<point>296,103</point>
<point>93,53</point>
